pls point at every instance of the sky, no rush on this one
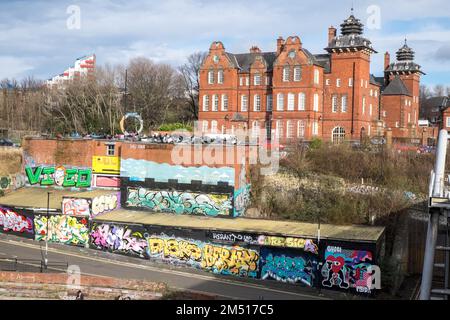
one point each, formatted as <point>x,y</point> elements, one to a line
<point>43,38</point>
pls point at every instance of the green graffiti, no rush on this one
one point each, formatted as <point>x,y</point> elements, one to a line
<point>4,182</point>
<point>179,202</point>
<point>59,176</point>
<point>33,176</point>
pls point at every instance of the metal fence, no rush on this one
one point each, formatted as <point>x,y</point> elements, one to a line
<point>30,265</point>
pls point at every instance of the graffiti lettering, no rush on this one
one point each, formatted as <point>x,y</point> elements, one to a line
<point>288,269</point>
<point>120,239</point>
<point>217,259</point>
<point>59,176</point>
<point>179,202</point>
<point>12,221</point>
<point>75,206</point>
<point>307,245</point>
<point>62,229</point>
<point>233,237</point>
<point>12,182</point>
<point>347,269</point>
<point>104,204</point>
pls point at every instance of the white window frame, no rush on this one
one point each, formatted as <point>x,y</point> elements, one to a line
<point>244,103</point>
<point>448,122</point>
<point>280,102</point>
<point>257,103</point>
<point>289,129</point>
<point>350,82</point>
<point>211,77</point>
<point>206,102</point>
<point>316,76</point>
<point>363,105</point>
<point>220,77</point>
<point>338,83</point>
<point>224,102</point>
<point>301,128</point>
<point>214,126</point>
<point>291,102</point>
<point>297,73</point>
<point>205,126</point>
<point>316,102</point>
<point>286,73</point>
<point>269,102</point>
<point>315,128</point>
<point>257,79</point>
<point>215,103</point>
<point>344,103</point>
<point>334,103</point>
<point>301,101</point>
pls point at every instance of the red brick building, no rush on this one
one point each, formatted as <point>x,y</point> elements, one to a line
<point>299,95</point>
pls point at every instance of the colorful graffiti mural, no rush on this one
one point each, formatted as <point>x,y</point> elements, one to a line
<point>179,202</point>
<point>110,182</point>
<point>347,269</point>
<point>291,268</point>
<point>218,259</point>
<point>13,222</point>
<point>307,245</point>
<point>119,238</point>
<point>76,206</point>
<point>139,170</point>
<point>12,182</point>
<point>62,229</point>
<point>241,200</point>
<point>104,203</point>
<point>59,176</point>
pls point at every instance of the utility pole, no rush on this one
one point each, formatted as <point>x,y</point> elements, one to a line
<point>46,234</point>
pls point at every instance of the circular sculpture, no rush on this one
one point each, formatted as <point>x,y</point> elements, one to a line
<point>131,115</point>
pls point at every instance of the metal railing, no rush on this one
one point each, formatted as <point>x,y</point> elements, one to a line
<point>31,265</point>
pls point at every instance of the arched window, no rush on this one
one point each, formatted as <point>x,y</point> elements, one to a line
<point>220,76</point>
<point>297,73</point>
<point>286,72</point>
<point>338,135</point>
<point>211,77</point>
<point>224,102</point>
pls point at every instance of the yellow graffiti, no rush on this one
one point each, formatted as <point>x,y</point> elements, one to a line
<point>285,242</point>
<point>231,260</point>
<point>106,164</point>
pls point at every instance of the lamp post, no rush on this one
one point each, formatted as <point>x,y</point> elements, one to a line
<point>46,235</point>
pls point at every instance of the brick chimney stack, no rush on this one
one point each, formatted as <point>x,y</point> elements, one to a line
<point>280,44</point>
<point>332,32</point>
<point>387,60</point>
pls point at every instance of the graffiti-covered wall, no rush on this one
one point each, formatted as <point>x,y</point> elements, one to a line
<point>178,198</point>
<point>13,221</point>
<point>58,176</point>
<point>62,229</point>
<point>12,182</point>
<point>119,238</point>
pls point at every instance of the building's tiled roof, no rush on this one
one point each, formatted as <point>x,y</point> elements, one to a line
<point>396,87</point>
<point>377,81</point>
<point>350,41</point>
<point>404,66</point>
<point>324,61</point>
<point>243,61</point>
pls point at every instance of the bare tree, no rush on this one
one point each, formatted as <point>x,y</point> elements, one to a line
<point>191,72</point>
<point>439,90</point>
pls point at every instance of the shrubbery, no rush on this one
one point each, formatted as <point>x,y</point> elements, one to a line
<point>174,127</point>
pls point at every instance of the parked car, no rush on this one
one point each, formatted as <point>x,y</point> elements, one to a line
<point>6,142</point>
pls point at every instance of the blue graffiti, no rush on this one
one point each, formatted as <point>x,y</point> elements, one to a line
<point>288,269</point>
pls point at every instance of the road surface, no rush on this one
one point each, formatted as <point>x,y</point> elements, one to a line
<point>94,262</point>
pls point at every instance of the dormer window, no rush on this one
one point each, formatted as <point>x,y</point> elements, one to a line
<point>297,73</point>
<point>286,74</point>
<point>211,77</point>
<point>220,77</point>
<point>257,79</point>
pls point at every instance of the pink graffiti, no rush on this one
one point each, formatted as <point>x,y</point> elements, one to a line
<point>118,238</point>
<point>75,207</point>
<point>12,221</point>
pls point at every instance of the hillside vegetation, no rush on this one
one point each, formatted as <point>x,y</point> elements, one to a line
<point>341,185</point>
